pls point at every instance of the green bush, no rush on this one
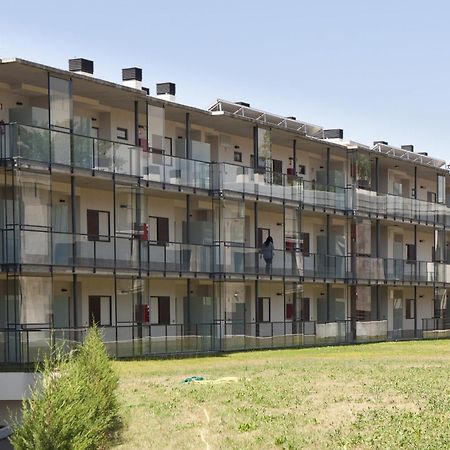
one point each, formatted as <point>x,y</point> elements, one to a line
<point>74,406</point>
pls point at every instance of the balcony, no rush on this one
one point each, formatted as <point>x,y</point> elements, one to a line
<point>47,147</point>
<point>54,147</point>
<point>41,247</point>
<point>252,182</point>
<point>395,206</point>
<point>38,246</point>
<point>234,259</point>
<point>176,257</point>
<point>436,328</point>
<point>399,270</point>
<point>28,344</point>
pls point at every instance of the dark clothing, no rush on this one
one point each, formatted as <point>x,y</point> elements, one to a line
<point>267,252</point>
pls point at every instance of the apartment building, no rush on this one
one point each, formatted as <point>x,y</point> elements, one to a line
<point>122,207</point>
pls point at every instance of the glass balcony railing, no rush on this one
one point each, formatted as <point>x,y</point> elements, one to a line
<point>30,245</point>
<point>54,147</point>
<point>33,245</point>
<point>390,205</point>
<point>240,260</point>
<point>245,180</point>
<point>176,257</point>
<point>400,270</point>
<point>84,152</point>
<point>326,266</point>
<point>31,343</point>
<point>160,168</point>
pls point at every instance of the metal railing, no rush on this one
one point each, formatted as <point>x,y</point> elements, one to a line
<point>83,152</point>
<point>31,245</point>
<point>261,183</point>
<point>31,343</point>
<point>38,245</point>
<point>397,206</point>
<point>436,324</point>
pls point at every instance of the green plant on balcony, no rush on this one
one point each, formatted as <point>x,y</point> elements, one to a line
<point>33,143</point>
<point>363,171</point>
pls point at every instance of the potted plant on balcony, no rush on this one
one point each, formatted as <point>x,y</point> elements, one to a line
<point>363,171</point>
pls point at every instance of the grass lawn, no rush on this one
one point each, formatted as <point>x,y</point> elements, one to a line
<point>387,396</point>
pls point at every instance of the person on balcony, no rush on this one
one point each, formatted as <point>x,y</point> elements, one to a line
<point>267,253</point>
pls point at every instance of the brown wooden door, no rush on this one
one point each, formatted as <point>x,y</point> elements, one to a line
<point>92,225</point>
<point>163,230</point>
<point>164,310</point>
<point>94,310</point>
<point>305,313</point>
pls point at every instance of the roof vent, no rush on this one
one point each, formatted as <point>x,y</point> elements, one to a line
<point>81,66</point>
<point>243,104</point>
<point>408,148</point>
<point>380,142</point>
<point>132,77</point>
<point>166,91</point>
<point>334,133</point>
<point>423,153</point>
<point>146,90</point>
<point>291,117</point>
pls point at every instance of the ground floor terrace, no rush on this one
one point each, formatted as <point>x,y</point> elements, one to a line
<point>142,317</point>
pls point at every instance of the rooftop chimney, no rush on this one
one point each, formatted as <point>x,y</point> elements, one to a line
<point>81,66</point>
<point>166,91</point>
<point>132,77</point>
<point>334,133</point>
<point>409,148</point>
<point>243,104</point>
<point>380,142</point>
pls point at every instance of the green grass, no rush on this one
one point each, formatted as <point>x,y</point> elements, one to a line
<point>386,396</point>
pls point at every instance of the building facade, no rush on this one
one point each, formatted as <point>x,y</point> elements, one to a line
<point>148,218</point>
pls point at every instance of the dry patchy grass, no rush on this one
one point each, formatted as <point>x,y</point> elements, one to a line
<point>389,395</point>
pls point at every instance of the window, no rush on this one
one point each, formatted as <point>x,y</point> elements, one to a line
<point>303,310</point>
<point>168,145</point>
<point>410,313</point>
<point>277,166</point>
<point>100,310</point>
<point>98,225</point>
<point>363,302</point>
<point>397,188</point>
<point>263,309</point>
<point>304,243</point>
<point>431,197</point>
<point>261,161</point>
<point>263,234</point>
<point>410,252</point>
<point>238,156</point>
<point>277,169</point>
<point>122,133</point>
<point>159,229</point>
<point>441,189</point>
<point>301,169</point>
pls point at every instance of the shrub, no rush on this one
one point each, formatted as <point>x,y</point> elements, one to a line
<point>74,406</point>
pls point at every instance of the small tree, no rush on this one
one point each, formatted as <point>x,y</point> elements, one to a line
<point>74,405</point>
